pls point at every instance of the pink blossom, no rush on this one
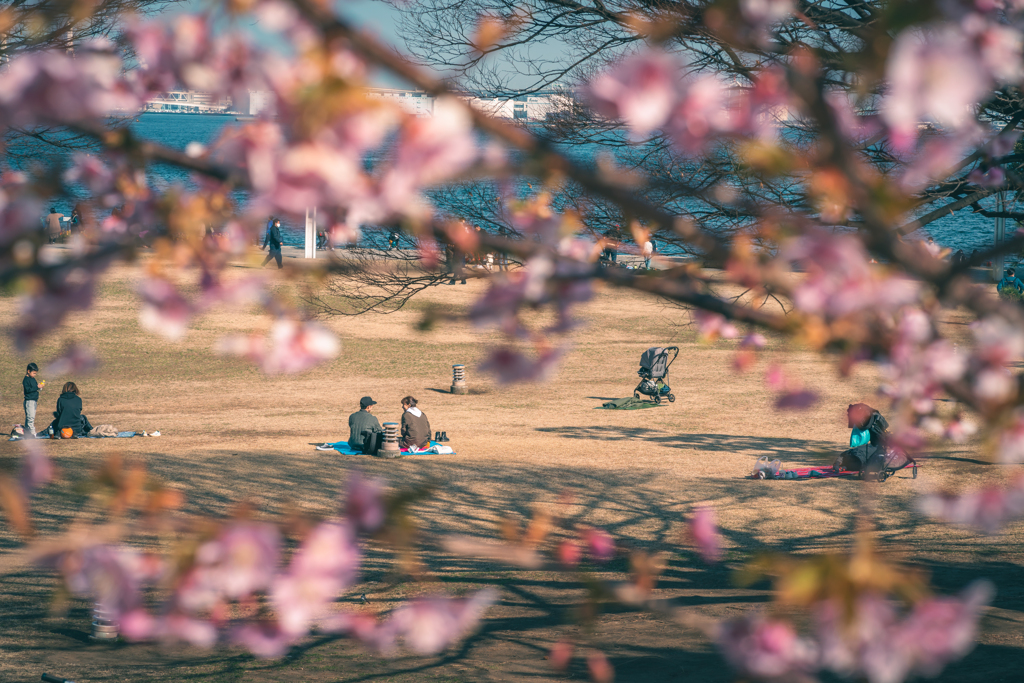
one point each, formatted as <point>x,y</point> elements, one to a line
<point>960,430</point>
<point>713,325</point>
<point>700,114</point>
<point>796,400</point>
<point>75,359</point>
<point>884,647</point>
<point>764,648</point>
<point>364,504</point>
<point>599,668</point>
<point>264,639</point>
<point>91,172</point>
<point>704,532</point>
<point>997,341</point>
<point>754,340</point>
<point>509,365</point>
<point>937,158</point>
<point>36,467</point>
<point>293,346</point>
<point>431,625</point>
<point>931,73</point>
<point>600,544</point>
<point>1010,444</point>
<point>989,177</point>
<point>839,280</point>
<point>989,508</point>
<point>999,47</point>
<point>164,310</point>
<point>994,385</point>
<point>241,560</point>
<point>1002,144</point>
<point>429,150</point>
<point>569,553</point>
<point>172,627</point>
<point>64,291</point>
<point>110,576</point>
<point>640,90</point>
<point>324,565</point>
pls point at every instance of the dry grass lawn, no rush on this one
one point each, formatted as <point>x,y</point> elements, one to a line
<point>231,434</point>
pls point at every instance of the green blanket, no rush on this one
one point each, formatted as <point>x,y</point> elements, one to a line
<point>629,403</point>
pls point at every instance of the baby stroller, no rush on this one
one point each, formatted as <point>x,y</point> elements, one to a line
<point>654,364</point>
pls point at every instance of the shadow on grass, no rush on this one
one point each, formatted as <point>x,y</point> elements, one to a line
<point>537,608</point>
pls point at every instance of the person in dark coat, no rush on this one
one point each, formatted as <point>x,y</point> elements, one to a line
<point>415,425</point>
<point>365,433</point>
<point>273,240</point>
<point>69,412</point>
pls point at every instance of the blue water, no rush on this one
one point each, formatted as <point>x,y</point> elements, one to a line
<point>964,230</point>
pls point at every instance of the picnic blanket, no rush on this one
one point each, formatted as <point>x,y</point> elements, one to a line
<point>802,473</point>
<point>343,448</point>
<point>628,403</point>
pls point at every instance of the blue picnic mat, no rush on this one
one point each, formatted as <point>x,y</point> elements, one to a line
<point>343,448</point>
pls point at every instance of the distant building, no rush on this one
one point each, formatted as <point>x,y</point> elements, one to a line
<point>255,102</point>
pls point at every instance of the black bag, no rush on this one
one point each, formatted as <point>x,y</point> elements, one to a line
<point>373,443</point>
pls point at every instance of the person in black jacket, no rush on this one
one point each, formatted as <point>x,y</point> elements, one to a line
<point>69,412</point>
<point>274,240</point>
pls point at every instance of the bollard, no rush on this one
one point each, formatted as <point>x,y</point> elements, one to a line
<point>104,626</point>
<point>459,380</point>
<point>390,448</point>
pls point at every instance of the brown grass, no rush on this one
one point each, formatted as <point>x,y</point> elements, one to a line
<point>231,434</point>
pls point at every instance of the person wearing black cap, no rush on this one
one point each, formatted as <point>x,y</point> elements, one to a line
<point>365,433</point>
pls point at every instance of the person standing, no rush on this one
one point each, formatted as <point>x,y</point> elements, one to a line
<point>273,240</point>
<point>648,252</point>
<point>54,225</point>
<point>415,425</point>
<point>31,387</point>
<point>364,431</point>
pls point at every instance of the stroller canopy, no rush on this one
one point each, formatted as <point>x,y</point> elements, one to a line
<point>655,361</point>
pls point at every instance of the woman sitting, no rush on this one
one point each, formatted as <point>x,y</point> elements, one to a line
<point>415,426</point>
<point>69,413</point>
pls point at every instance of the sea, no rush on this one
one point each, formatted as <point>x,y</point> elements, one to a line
<point>964,230</point>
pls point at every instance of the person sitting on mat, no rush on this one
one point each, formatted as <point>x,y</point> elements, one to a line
<point>415,425</point>
<point>69,413</point>
<point>365,433</point>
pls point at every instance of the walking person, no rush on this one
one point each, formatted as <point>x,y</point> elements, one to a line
<point>273,240</point>
<point>31,387</point>
<point>54,225</point>
<point>393,238</point>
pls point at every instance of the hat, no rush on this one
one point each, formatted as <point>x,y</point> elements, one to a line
<point>366,402</point>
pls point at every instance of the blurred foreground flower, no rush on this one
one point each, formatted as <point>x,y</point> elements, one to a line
<point>989,508</point>
<point>704,534</point>
<point>294,346</point>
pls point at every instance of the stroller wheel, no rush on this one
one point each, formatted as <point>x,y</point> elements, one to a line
<point>671,398</point>
<point>657,399</point>
<point>636,394</point>
<point>882,476</point>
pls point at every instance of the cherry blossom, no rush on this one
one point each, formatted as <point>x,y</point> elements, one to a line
<point>364,504</point>
<point>704,533</point>
<point>988,509</point>
<point>325,564</point>
<point>293,346</point>
<point>36,466</point>
<point>713,325</point>
<point>75,359</point>
<point>935,72</point>
<point>242,559</point>
<point>640,90</point>
<point>600,544</point>
<point>510,365</point>
<point>164,310</point>
<point>765,648</point>
<point>884,646</point>
<point>430,625</point>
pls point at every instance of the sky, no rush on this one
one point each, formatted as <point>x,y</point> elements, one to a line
<point>381,20</point>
